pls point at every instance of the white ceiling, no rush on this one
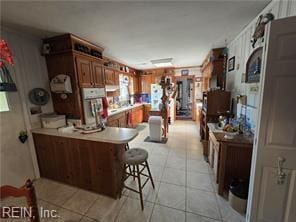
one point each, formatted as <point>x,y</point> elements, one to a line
<point>137,32</point>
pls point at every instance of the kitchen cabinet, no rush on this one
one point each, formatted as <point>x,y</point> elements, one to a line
<point>146,109</point>
<point>121,119</point>
<point>116,79</point>
<point>229,158</point>
<point>215,103</point>
<point>98,74</point>
<point>109,76</point>
<point>84,71</point>
<point>91,165</point>
<point>145,83</point>
<point>137,115</point>
<point>65,63</point>
<point>90,73</point>
<point>133,84</point>
<point>213,66</point>
<point>118,120</point>
<point>214,147</point>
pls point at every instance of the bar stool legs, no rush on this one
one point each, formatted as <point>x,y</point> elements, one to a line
<point>140,186</point>
<point>150,176</point>
<point>137,160</point>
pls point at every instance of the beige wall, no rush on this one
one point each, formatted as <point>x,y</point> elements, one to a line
<point>18,161</point>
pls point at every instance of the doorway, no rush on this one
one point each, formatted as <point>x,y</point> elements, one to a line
<point>184,98</point>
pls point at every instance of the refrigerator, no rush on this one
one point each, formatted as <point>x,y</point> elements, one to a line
<point>156,94</point>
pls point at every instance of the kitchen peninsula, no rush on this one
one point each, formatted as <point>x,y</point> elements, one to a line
<point>89,161</point>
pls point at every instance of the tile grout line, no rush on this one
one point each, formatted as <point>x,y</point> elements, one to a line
<point>158,188</point>
<point>186,175</point>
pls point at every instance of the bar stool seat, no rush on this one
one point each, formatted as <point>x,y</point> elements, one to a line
<point>135,156</point>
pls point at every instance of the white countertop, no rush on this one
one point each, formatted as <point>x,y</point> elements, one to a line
<point>122,109</point>
<point>109,135</point>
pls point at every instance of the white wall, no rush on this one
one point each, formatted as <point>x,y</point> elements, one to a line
<point>241,48</point>
<point>18,161</point>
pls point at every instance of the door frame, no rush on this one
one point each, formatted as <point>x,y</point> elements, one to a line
<point>193,110</point>
<point>258,154</point>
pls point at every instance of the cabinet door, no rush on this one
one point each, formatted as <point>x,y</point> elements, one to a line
<point>122,122</point>
<point>84,72</point>
<point>147,108</point>
<point>136,84</point>
<point>98,74</point>
<point>148,80</point>
<point>145,82</point>
<point>216,161</point>
<point>46,156</point>
<point>113,123</point>
<point>131,84</point>
<point>116,78</point>
<point>211,152</point>
<point>109,76</point>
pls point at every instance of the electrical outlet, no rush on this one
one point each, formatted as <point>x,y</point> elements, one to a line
<point>254,89</point>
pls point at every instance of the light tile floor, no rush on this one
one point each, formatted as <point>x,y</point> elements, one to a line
<point>184,187</point>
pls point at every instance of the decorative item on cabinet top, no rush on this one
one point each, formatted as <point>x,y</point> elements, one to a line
<point>260,27</point>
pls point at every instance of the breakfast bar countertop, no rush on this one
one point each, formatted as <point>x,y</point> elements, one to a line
<point>113,135</point>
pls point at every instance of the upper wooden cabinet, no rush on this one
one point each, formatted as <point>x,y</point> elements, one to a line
<point>90,73</point>
<point>213,66</point>
<point>145,83</point>
<point>133,84</point>
<point>98,74</point>
<point>84,72</point>
<point>109,76</point>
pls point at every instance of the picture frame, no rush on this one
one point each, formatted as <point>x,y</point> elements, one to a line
<point>231,64</point>
<point>184,72</point>
<point>253,66</point>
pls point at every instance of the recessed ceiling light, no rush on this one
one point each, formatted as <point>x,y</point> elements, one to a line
<point>162,62</point>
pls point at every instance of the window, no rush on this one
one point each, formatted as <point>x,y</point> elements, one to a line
<point>3,102</point>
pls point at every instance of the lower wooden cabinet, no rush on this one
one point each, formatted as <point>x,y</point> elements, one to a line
<point>137,115</point>
<point>147,108</point>
<point>94,166</point>
<point>122,119</point>
<point>117,120</point>
<point>229,159</point>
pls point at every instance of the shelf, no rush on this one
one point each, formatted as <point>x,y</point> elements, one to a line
<point>74,51</point>
<point>118,70</point>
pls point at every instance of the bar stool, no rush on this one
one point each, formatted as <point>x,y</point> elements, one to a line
<point>137,157</point>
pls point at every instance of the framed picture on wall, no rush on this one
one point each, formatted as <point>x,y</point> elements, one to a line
<point>231,64</point>
<point>184,72</point>
<point>253,68</point>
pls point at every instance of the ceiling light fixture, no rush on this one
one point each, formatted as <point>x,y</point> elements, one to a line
<point>162,62</point>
